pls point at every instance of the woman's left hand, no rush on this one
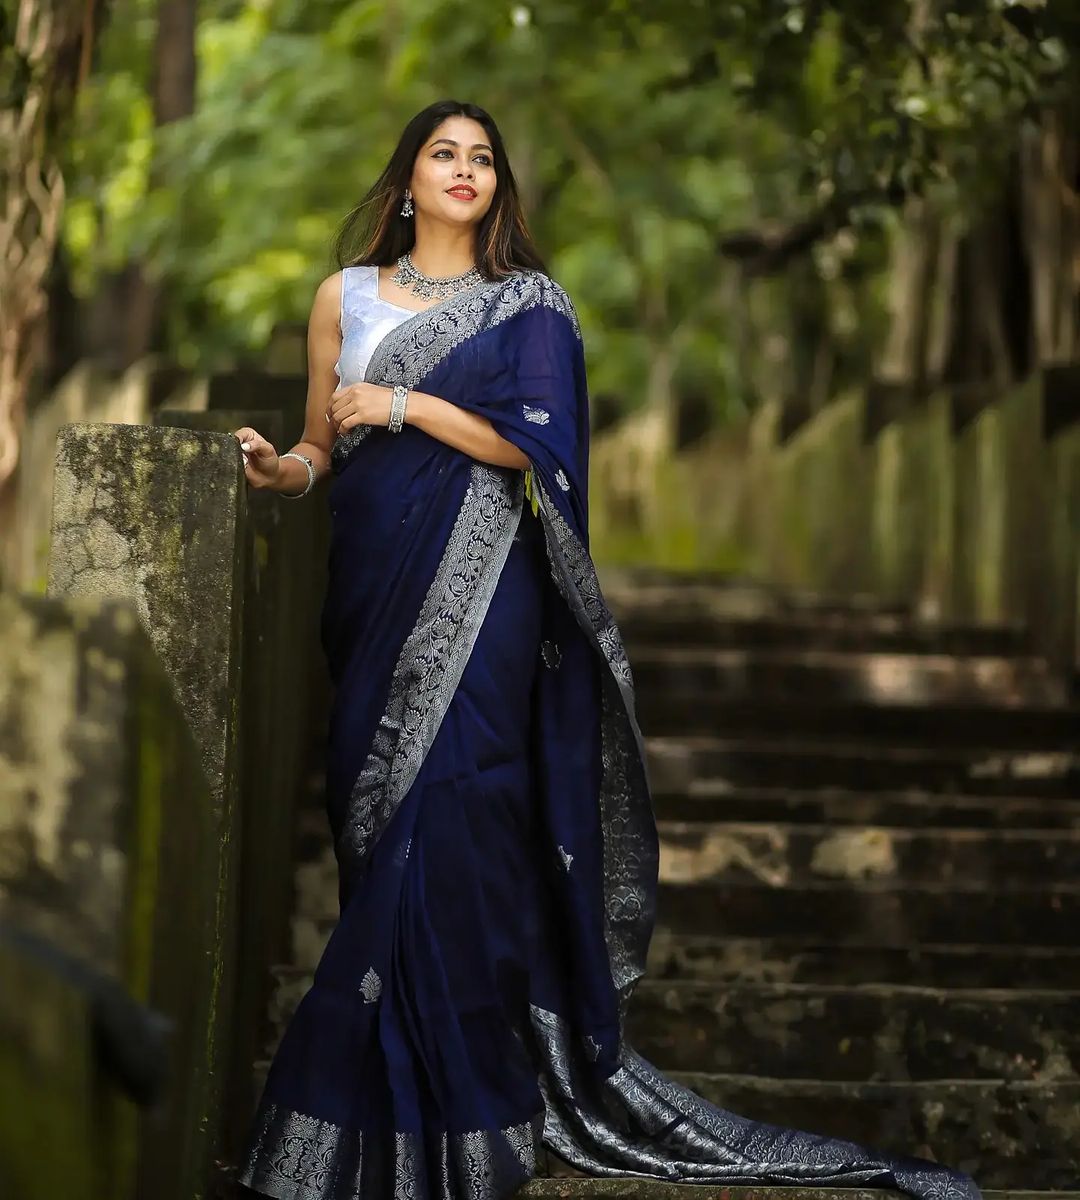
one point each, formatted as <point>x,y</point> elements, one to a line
<point>359,404</point>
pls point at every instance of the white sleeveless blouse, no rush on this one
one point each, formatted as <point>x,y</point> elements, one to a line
<point>365,320</point>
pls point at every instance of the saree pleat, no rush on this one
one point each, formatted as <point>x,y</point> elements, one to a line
<point>489,803</point>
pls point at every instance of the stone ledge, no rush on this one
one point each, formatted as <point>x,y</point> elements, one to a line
<point>652,1189</point>
<point>151,515</point>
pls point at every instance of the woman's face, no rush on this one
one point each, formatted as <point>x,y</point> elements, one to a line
<point>454,174</point>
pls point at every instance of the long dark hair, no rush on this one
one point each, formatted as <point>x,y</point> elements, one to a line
<point>375,232</point>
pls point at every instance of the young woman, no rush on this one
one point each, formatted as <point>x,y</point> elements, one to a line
<point>485,786</point>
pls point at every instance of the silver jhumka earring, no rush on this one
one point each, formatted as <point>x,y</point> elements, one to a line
<point>406,207</point>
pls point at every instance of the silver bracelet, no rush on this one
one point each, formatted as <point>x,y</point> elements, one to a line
<point>310,476</point>
<point>397,408</point>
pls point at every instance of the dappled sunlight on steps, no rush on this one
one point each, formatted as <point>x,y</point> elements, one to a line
<point>870,836</point>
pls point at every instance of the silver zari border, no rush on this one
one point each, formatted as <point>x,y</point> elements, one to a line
<point>630,847</point>
<point>434,655</point>
<point>639,1123</point>
<point>292,1156</point>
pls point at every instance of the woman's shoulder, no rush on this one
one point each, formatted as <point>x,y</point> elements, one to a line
<point>348,290</point>
<point>529,287</point>
<point>342,280</point>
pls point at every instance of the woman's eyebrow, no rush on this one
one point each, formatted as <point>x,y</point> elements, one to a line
<point>451,142</point>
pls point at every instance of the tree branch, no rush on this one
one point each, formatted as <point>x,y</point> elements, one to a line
<point>768,249</point>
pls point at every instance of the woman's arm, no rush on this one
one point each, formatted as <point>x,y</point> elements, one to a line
<point>262,464</point>
<point>369,404</point>
<point>323,348</point>
<point>464,430</point>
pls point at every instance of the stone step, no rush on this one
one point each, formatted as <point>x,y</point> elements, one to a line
<point>309,937</point>
<point>625,587</point>
<point>681,763</point>
<point>559,1187</point>
<point>598,1188</point>
<point>800,719</point>
<point>872,914</point>
<point>852,910</point>
<point>723,961</point>
<point>714,800</point>
<point>690,672</point>
<point>779,855</point>
<point>669,620</point>
<point>291,981</point>
<point>1006,1134</point>
<point>315,877</point>
<point>814,959</point>
<point>872,1032</point>
<point>698,614</point>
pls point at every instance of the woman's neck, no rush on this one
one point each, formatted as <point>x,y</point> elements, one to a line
<point>441,252</point>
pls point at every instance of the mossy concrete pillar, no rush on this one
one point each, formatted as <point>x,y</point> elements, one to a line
<point>820,481</point>
<point>275,700</point>
<point>1059,611</point>
<point>260,399</point>
<point>999,496</point>
<point>109,850</point>
<point>158,516</point>
<point>911,504</point>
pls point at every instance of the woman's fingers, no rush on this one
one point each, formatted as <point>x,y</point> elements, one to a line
<point>336,397</point>
<point>243,436</point>
<point>253,445</point>
<point>341,403</point>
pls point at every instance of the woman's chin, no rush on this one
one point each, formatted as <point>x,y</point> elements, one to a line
<point>460,212</point>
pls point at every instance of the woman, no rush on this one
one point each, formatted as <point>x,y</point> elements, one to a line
<point>486,785</point>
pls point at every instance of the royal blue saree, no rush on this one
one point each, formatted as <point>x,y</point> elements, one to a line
<point>491,817</point>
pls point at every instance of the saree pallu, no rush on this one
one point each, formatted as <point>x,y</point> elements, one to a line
<point>489,803</point>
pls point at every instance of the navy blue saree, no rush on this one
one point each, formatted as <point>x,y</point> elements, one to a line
<point>492,822</point>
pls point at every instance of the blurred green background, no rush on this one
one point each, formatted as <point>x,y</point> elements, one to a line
<point>717,185</point>
<point>758,205</point>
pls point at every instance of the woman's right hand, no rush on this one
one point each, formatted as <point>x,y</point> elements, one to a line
<point>261,462</point>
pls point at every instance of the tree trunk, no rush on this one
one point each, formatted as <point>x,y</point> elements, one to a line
<point>128,311</point>
<point>1050,207</point>
<point>46,60</point>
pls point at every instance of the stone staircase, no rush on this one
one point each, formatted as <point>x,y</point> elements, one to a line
<point>869,920</point>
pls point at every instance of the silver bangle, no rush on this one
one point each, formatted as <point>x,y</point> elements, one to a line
<point>310,476</point>
<point>397,408</point>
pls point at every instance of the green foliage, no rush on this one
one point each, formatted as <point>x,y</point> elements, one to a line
<point>640,135</point>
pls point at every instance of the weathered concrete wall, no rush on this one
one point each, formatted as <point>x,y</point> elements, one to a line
<point>108,849</point>
<point>158,517</point>
<point>911,516</point>
<point>966,507</point>
<point>87,393</point>
<point>818,539</point>
<point>1060,598</point>
<point>674,512</point>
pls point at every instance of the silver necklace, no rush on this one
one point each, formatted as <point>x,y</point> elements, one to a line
<point>429,287</point>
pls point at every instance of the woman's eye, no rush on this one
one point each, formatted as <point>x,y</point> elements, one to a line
<point>484,158</point>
